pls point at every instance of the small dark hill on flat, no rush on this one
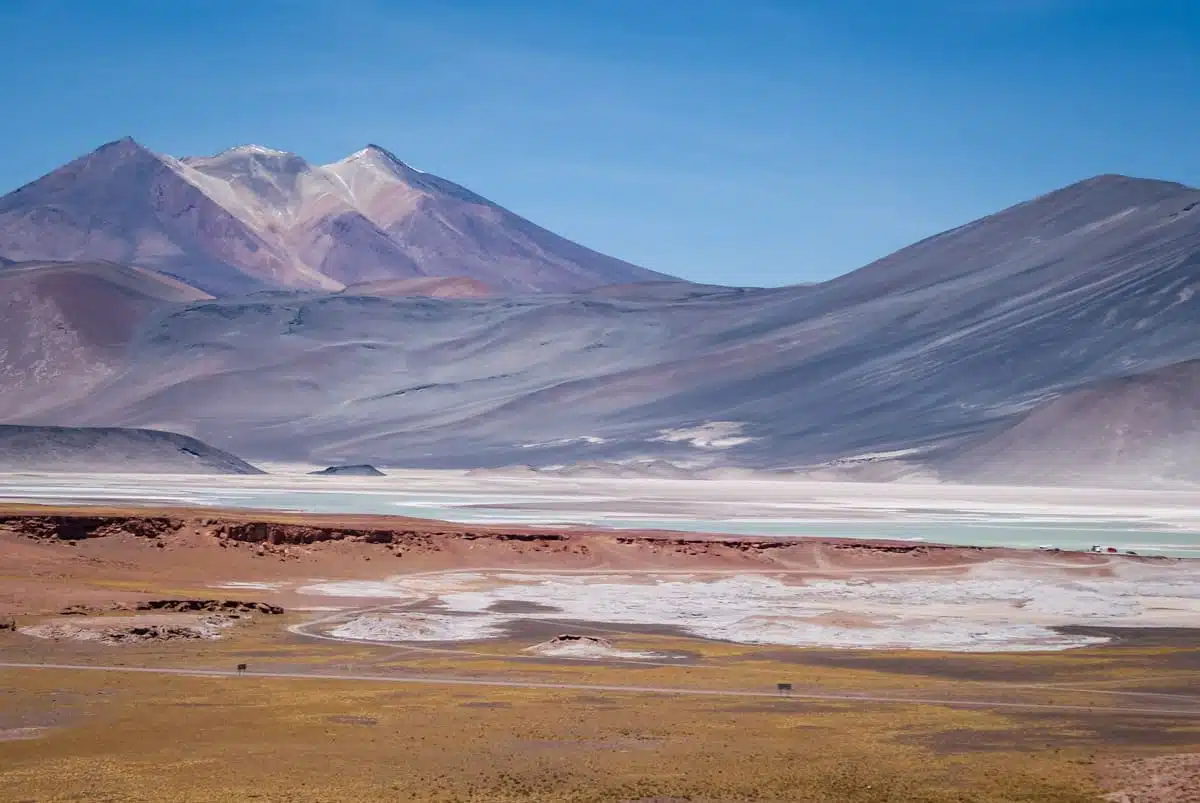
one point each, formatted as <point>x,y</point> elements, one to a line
<point>112,450</point>
<point>350,471</point>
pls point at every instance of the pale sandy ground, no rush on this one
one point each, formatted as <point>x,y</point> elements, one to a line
<point>999,605</point>
<point>102,628</point>
<point>589,647</point>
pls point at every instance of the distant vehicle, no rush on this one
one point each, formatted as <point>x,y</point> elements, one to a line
<point>1110,550</point>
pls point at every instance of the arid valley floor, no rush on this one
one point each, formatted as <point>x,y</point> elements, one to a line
<point>791,404</point>
<point>391,658</point>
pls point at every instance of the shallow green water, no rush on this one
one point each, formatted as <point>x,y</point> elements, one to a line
<point>965,528</point>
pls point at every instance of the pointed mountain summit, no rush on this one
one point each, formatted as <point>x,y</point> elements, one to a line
<point>449,230</point>
<point>123,203</point>
<point>375,166</point>
<point>252,217</point>
<point>1108,223</point>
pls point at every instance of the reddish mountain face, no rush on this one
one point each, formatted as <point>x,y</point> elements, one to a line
<point>64,327</point>
<point>254,218</point>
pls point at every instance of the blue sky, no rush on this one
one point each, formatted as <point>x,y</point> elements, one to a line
<point>734,141</point>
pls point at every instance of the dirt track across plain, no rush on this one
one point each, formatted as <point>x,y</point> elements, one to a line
<point>519,684</point>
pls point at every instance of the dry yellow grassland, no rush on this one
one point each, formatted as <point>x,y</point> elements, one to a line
<point>131,737</point>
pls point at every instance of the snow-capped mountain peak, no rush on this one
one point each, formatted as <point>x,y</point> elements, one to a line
<point>256,150</point>
<point>380,157</point>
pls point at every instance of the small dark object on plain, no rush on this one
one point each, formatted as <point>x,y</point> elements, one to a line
<point>361,470</point>
<point>241,668</point>
<point>783,688</point>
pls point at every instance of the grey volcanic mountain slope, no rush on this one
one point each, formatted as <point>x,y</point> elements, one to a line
<point>911,355</point>
<point>253,218</point>
<point>1103,220</point>
<point>1134,430</point>
<point>115,450</point>
<point>449,230</point>
<point>914,349</point>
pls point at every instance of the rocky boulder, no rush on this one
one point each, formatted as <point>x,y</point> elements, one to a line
<point>209,605</point>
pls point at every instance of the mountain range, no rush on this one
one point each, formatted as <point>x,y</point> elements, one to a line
<point>253,218</point>
<point>1052,342</point>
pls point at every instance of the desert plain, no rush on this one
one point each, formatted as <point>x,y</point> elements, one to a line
<point>200,649</point>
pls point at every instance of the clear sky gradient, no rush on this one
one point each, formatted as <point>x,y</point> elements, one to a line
<point>735,141</point>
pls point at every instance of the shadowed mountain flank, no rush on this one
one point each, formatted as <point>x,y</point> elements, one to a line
<point>116,450</point>
<point>254,218</point>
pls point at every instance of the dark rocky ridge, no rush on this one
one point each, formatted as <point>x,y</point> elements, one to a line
<point>99,449</point>
<point>208,606</point>
<point>434,536</point>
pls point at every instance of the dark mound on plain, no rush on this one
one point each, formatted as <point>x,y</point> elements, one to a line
<point>350,471</point>
<point>114,450</point>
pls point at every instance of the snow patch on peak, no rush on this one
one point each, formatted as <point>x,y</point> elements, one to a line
<point>256,158</point>
<point>377,154</point>
<point>258,150</point>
